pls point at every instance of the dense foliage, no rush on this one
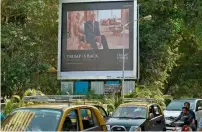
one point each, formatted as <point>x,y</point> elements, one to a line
<point>16,101</point>
<point>171,58</point>
<point>29,46</point>
<point>170,45</point>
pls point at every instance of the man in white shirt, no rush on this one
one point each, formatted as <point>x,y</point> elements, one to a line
<point>200,125</point>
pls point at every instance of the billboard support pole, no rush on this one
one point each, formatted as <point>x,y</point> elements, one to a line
<point>123,76</point>
<point>138,42</point>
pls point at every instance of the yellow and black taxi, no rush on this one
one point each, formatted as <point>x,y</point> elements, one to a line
<point>137,116</point>
<point>55,117</point>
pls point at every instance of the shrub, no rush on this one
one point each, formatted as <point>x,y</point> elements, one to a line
<point>16,102</point>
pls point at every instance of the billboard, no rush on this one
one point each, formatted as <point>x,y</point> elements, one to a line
<point>92,38</point>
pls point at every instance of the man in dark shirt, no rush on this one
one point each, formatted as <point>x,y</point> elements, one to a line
<point>187,104</point>
<point>185,113</point>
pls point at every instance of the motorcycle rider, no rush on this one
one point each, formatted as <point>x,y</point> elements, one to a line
<point>185,113</point>
<point>187,104</point>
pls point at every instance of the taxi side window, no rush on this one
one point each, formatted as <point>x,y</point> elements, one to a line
<point>71,122</point>
<point>89,119</point>
<point>102,112</point>
<point>157,110</point>
<point>151,112</point>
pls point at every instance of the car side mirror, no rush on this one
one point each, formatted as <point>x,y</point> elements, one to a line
<point>199,108</point>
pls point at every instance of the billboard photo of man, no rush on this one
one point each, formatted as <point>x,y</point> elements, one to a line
<point>92,33</point>
<point>97,29</point>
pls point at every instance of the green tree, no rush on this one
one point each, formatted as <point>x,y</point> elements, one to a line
<point>185,78</point>
<point>29,45</point>
<point>170,43</point>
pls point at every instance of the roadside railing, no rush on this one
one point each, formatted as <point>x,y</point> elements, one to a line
<point>140,100</point>
<point>69,99</point>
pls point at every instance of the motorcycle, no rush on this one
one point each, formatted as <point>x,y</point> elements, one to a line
<point>182,125</point>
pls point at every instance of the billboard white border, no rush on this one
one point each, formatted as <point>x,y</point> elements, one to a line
<point>94,75</point>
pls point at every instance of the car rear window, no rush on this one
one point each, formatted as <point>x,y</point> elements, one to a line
<point>178,104</point>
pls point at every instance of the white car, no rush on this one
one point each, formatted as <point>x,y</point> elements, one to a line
<point>174,109</point>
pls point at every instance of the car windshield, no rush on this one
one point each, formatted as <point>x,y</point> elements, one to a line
<point>135,112</point>
<point>178,104</point>
<point>32,120</point>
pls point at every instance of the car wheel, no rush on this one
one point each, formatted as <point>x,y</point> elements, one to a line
<point>164,129</point>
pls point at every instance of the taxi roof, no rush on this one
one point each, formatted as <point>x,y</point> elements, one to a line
<point>143,104</point>
<point>55,106</point>
<point>58,106</point>
<point>61,102</point>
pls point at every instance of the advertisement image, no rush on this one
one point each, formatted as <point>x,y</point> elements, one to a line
<point>93,36</point>
<point>98,29</point>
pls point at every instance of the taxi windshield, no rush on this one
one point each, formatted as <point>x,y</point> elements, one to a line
<point>32,120</point>
<point>135,112</point>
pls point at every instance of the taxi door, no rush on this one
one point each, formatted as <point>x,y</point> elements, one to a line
<point>160,122</point>
<point>70,121</point>
<point>155,122</point>
<point>91,122</point>
<point>150,122</point>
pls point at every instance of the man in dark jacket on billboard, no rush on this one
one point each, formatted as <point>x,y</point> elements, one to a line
<point>92,33</point>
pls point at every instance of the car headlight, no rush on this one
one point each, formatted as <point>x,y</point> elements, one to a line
<point>135,128</point>
<point>108,127</point>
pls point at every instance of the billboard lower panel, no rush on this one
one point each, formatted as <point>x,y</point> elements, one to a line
<point>94,75</point>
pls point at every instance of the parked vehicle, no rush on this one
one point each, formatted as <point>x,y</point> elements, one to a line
<point>137,116</point>
<point>55,117</point>
<point>174,109</point>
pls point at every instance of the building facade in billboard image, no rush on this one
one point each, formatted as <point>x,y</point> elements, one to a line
<point>92,38</point>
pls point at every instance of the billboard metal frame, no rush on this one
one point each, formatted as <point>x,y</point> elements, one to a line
<point>101,75</point>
